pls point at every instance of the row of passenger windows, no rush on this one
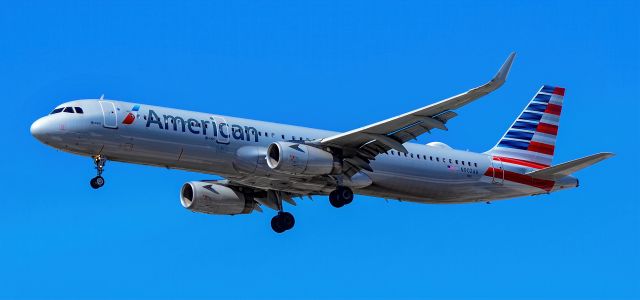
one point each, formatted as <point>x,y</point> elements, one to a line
<point>437,159</point>
<point>72,110</point>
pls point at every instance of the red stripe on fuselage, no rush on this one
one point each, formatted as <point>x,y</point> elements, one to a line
<point>547,128</point>
<point>546,185</point>
<point>520,162</point>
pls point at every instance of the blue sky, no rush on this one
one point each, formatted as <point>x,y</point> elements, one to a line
<point>334,65</point>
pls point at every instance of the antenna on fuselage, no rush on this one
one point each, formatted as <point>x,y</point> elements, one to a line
<point>101,97</point>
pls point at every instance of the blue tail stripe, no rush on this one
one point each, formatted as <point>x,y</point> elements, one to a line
<point>513,144</point>
<point>537,107</point>
<point>542,98</point>
<point>530,116</point>
<point>521,135</point>
<point>548,89</point>
<point>524,125</point>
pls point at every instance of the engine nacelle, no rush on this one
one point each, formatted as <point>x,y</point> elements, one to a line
<point>216,199</point>
<point>294,158</point>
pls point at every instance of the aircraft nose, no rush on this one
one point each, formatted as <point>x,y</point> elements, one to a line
<point>40,128</point>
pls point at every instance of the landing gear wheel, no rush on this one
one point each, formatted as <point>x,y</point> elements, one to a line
<point>333,199</point>
<point>341,197</point>
<point>345,194</point>
<point>97,182</point>
<point>282,222</point>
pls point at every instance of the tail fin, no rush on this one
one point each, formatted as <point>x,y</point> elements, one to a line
<point>532,137</point>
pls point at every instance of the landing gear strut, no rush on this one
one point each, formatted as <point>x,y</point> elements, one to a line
<point>341,196</point>
<point>282,222</point>
<point>97,182</point>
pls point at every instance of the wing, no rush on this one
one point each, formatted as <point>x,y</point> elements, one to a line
<point>361,145</point>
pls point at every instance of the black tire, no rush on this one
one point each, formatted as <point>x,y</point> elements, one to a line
<point>94,184</point>
<point>288,221</point>
<point>334,200</point>
<point>345,194</point>
<point>276,224</point>
<point>99,181</point>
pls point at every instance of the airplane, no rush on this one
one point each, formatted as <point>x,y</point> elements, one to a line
<point>269,164</point>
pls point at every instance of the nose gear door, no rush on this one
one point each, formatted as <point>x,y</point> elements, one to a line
<point>109,115</point>
<point>498,170</point>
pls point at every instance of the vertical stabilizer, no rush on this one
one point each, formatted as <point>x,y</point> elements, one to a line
<point>531,139</point>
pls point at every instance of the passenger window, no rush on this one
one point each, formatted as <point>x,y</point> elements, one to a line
<point>438,159</point>
<point>405,155</point>
<point>411,155</point>
<point>283,136</point>
<point>79,110</point>
<point>475,165</point>
<point>469,164</point>
<point>456,161</point>
<point>392,153</point>
<point>68,109</point>
<point>450,160</point>
<point>259,133</point>
<point>463,162</point>
<point>57,110</point>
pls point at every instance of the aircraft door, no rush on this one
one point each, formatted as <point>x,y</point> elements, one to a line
<point>223,130</point>
<point>498,170</point>
<point>109,115</point>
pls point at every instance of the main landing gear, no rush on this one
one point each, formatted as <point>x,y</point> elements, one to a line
<point>282,222</point>
<point>341,196</point>
<point>97,182</point>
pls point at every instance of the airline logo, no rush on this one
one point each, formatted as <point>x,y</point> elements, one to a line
<point>532,137</point>
<point>131,116</point>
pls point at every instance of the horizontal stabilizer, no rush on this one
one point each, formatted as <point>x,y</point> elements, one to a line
<point>568,168</point>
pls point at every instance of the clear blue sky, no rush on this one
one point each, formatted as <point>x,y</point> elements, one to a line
<point>335,65</point>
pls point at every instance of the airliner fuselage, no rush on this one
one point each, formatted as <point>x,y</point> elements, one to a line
<point>235,148</point>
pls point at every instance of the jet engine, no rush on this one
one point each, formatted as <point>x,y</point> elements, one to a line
<point>294,158</point>
<point>216,199</point>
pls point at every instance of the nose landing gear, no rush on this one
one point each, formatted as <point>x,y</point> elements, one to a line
<point>341,196</point>
<point>97,182</point>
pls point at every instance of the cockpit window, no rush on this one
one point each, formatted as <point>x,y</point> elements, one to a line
<point>79,110</point>
<point>57,110</point>
<point>68,109</point>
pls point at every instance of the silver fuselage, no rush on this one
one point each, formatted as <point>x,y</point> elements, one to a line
<point>234,148</point>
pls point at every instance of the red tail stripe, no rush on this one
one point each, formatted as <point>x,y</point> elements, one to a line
<point>546,185</point>
<point>541,148</point>
<point>521,162</point>
<point>553,109</point>
<point>559,91</point>
<point>547,128</point>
